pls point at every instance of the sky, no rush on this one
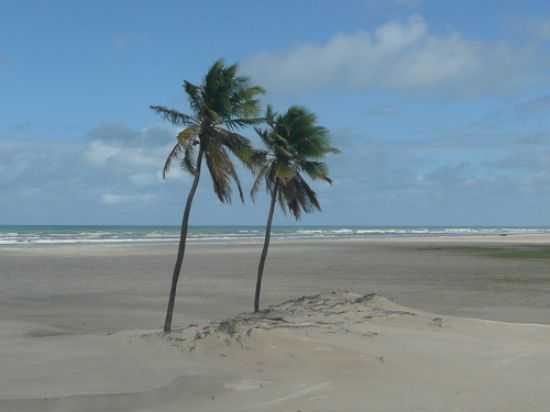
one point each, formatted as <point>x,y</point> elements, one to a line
<point>441,109</point>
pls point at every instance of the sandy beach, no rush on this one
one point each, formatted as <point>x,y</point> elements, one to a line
<point>457,323</point>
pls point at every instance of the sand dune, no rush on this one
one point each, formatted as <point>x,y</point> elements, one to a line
<point>336,351</point>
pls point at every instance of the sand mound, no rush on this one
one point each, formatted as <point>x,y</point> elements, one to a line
<point>337,351</point>
<point>334,312</point>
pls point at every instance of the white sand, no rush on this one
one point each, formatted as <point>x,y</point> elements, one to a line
<point>332,352</point>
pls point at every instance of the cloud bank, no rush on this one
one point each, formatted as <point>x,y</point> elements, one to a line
<point>113,177</point>
<point>53,180</point>
<point>403,56</point>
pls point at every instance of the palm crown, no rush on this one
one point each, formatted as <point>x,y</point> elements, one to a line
<point>223,103</point>
<point>295,144</point>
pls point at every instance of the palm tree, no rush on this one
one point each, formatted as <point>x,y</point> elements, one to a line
<point>295,146</point>
<point>223,103</point>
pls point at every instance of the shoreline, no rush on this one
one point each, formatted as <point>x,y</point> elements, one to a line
<point>519,238</point>
<point>214,235</point>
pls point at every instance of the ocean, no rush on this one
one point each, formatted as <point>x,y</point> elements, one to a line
<point>56,235</point>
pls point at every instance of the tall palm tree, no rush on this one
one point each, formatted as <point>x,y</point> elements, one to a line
<point>295,146</point>
<point>222,104</point>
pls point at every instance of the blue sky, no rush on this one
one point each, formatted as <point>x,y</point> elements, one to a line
<point>441,109</point>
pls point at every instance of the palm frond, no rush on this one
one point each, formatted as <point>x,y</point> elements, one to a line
<point>292,197</point>
<point>174,153</point>
<point>271,179</point>
<point>315,170</point>
<point>221,103</point>
<point>299,196</point>
<point>258,158</point>
<point>231,97</point>
<point>186,135</point>
<point>261,174</point>
<point>239,122</point>
<point>238,145</point>
<point>233,173</point>
<point>310,197</point>
<point>194,95</point>
<point>282,200</point>
<point>270,116</point>
<point>173,116</point>
<point>221,171</point>
<point>284,170</point>
<point>188,163</point>
<point>265,136</point>
<point>295,144</point>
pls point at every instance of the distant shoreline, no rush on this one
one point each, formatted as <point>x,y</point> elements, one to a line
<point>420,239</point>
<point>76,235</point>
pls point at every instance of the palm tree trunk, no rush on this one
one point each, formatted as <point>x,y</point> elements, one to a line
<point>265,248</point>
<point>181,246</point>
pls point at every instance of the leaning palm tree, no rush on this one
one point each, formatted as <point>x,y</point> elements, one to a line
<point>295,146</point>
<point>222,104</point>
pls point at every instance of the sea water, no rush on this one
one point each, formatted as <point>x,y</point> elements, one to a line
<point>29,235</point>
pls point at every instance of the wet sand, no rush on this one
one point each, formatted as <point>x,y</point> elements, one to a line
<point>114,287</point>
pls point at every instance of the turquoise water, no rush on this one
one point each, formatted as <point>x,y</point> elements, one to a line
<point>28,235</point>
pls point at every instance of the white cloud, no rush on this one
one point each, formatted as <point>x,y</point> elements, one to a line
<point>145,179</point>
<point>114,146</point>
<point>134,157</point>
<point>99,153</point>
<point>117,198</point>
<point>402,56</point>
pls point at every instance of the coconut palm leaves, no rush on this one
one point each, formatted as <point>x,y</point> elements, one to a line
<point>221,105</point>
<point>295,146</point>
